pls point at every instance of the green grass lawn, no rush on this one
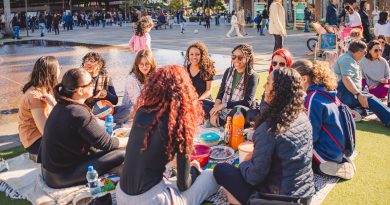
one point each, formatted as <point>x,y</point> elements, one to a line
<point>371,184</point>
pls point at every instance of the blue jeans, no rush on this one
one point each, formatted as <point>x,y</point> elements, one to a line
<point>307,25</point>
<point>16,31</point>
<point>122,114</point>
<point>375,105</point>
<point>42,28</point>
<point>264,24</point>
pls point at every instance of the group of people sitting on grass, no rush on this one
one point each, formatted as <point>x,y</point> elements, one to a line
<point>299,126</point>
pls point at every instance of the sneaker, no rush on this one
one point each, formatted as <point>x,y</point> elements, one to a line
<point>345,170</point>
<point>227,36</point>
<point>357,117</point>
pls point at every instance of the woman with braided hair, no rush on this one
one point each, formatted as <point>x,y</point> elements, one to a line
<point>167,115</point>
<point>238,87</point>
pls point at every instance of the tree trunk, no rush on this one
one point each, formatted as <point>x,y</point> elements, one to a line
<point>7,15</point>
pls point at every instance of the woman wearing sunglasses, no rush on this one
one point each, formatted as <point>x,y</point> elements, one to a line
<point>281,58</point>
<point>375,70</point>
<point>72,139</point>
<point>385,46</point>
<point>238,87</point>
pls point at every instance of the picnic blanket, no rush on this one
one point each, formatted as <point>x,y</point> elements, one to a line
<point>24,181</point>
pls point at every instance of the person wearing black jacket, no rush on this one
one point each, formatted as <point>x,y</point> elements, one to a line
<point>16,26</point>
<point>265,19</point>
<point>331,13</point>
<point>364,7</point>
<point>73,139</point>
<point>281,162</point>
<point>238,87</point>
<point>166,119</point>
<point>104,89</point>
<point>307,18</point>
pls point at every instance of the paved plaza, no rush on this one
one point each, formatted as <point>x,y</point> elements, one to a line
<point>169,46</point>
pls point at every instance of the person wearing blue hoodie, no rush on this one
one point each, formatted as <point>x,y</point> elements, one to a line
<point>329,139</point>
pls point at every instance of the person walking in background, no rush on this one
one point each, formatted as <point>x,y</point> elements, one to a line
<point>16,26</point>
<point>277,23</point>
<point>307,18</point>
<point>332,13</point>
<point>56,23</point>
<point>241,20</point>
<point>265,20</point>
<point>382,27</point>
<point>354,18</point>
<point>364,7</point>
<point>207,19</point>
<point>49,20</point>
<point>234,26</point>
<point>182,21</point>
<point>42,25</point>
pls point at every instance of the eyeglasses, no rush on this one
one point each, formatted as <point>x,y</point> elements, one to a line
<point>144,65</point>
<point>378,50</point>
<point>275,63</point>
<point>90,60</point>
<point>90,84</point>
<point>240,58</point>
<point>382,42</point>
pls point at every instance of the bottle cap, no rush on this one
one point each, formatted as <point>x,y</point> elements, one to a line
<point>238,109</point>
<point>109,118</point>
<point>90,168</point>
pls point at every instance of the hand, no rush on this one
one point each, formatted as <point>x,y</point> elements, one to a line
<point>217,108</point>
<point>101,94</point>
<point>213,120</point>
<point>384,81</point>
<point>49,99</point>
<point>248,157</point>
<point>363,100</point>
<point>196,164</point>
<point>372,87</point>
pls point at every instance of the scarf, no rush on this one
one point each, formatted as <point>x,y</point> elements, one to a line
<point>232,95</point>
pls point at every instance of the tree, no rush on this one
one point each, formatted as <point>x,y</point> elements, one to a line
<point>7,15</point>
<point>177,4</point>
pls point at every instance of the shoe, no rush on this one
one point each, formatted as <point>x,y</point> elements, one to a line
<point>227,36</point>
<point>357,117</point>
<point>262,34</point>
<point>345,170</point>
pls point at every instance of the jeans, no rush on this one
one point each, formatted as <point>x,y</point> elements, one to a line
<point>264,24</point>
<point>307,25</point>
<point>374,104</point>
<point>42,28</point>
<point>16,31</point>
<point>122,114</point>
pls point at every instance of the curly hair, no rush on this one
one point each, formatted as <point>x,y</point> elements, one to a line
<point>287,101</point>
<point>284,53</point>
<point>356,34</point>
<point>207,68</point>
<point>319,73</point>
<point>98,58</point>
<point>247,50</point>
<point>143,25</point>
<point>44,74</point>
<point>169,90</point>
<point>148,55</point>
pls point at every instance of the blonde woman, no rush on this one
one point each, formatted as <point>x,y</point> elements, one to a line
<point>277,23</point>
<point>241,20</point>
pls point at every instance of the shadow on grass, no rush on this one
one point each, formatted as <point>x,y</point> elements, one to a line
<point>373,127</point>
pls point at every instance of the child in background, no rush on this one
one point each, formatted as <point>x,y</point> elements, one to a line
<point>141,39</point>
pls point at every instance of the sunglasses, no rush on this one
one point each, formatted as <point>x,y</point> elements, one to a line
<point>382,42</point>
<point>240,58</point>
<point>377,50</point>
<point>90,84</point>
<point>275,63</point>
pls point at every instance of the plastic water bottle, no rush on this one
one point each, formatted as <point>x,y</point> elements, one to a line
<point>109,124</point>
<point>93,183</point>
<point>365,90</point>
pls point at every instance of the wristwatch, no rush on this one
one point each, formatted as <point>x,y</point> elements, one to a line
<point>357,95</point>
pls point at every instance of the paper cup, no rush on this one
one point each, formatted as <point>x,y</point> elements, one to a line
<point>244,149</point>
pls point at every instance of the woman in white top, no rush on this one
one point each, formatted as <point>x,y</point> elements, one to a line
<point>241,20</point>
<point>354,18</point>
<point>277,23</point>
<point>144,64</point>
<point>382,27</point>
<point>234,23</point>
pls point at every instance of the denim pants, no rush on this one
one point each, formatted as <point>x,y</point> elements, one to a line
<point>16,31</point>
<point>264,24</point>
<point>122,114</point>
<point>375,105</point>
<point>42,28</point>
<point>307,25</point>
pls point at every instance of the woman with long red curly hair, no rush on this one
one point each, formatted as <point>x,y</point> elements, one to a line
<point>167,116</point>
<point>281,58</point>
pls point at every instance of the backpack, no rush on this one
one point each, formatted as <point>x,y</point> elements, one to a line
<point>349,126</point>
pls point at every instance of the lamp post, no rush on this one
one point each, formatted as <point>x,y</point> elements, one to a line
<point>25,3</point>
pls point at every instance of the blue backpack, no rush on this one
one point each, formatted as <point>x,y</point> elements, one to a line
<point>349,126</point>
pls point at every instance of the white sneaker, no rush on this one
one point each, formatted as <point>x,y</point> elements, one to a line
<point>344,170</point>
<point>356,115</point>
<point>227,36</point>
